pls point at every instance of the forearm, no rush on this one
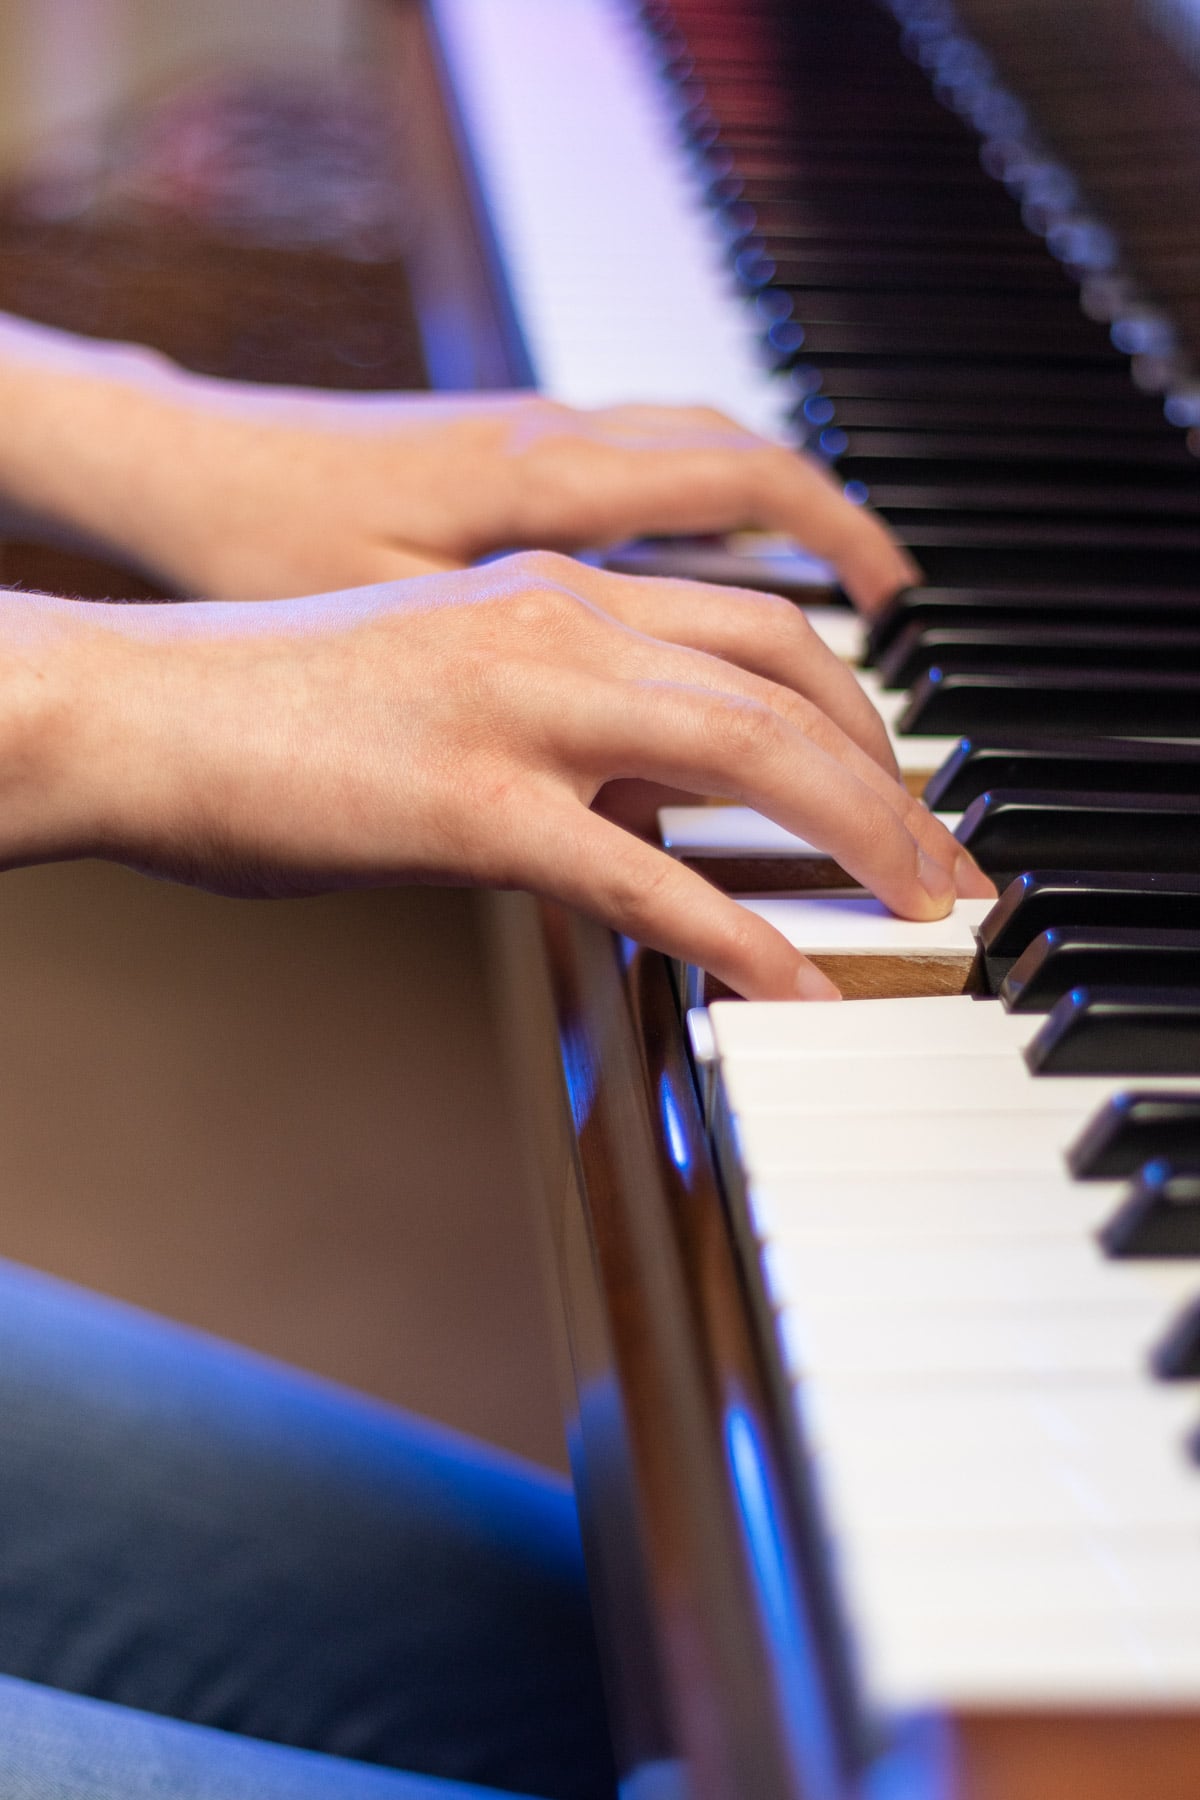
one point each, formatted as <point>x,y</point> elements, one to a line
<point>92,437</point>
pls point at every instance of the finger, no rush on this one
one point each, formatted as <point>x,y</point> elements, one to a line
<point>744,750</point>
<point>701,473</point>
<point>794,493</point>
<point>761,633</point>
<point>401,562</point>
<point>640,891</point>
<point>650,661</point>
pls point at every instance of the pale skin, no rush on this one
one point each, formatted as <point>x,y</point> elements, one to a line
<point>429,721</point>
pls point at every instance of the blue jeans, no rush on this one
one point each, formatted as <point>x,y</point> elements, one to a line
<point>323,1591</point>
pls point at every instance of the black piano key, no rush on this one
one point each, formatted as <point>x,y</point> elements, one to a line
<point>1121,1032</point>
<point>1107,510</point>
<point>1066,957</point>
<point>1136,1128</point>
<point>946,704</point>
<point>1159,1216</point>
<point>1160,462</point>
<point>980,342</point>
<point>979,316</point>
<point>760,262</point>
<point>1158,608</point>
<point>1102,765</point>
<point>997,552</point>
<point>1141,419</point>
<point>1176,1357</point>
<point>981,647</point>
<point>899,378</point>
<point>1009,830</point>
<point>1042,900</point>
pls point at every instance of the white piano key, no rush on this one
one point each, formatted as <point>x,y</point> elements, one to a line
<point>714,831</point>
<point>1044,1272</point>
<point>850,1210</point>
<point>907,1143</point>
<point>1001,1460</point>
<point>983,1661</point>
<point>1074,1418</point>
<point>913,1084</point>
<point>1008,1576</point>
<point>839,630</point>
<point>942,1025</point>
<point>613,263</point>
<point>1148,1488</point>
<point>921,756</point>
<point>969,1345</point>
<point>746,559</point>
<point>860,925</point>
<point>889,703</point>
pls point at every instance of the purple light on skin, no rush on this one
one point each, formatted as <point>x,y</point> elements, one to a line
<point>857,493</point>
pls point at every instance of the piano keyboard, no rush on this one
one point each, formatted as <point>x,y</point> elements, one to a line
<point>1012,1497</point>
<point>780,210</point>
<point>612,259</point>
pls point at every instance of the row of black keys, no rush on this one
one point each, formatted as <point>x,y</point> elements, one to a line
<point>940,353</point>
<point>1110,660</point>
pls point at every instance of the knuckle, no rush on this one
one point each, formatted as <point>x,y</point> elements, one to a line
<point>785,622</point>
<point>742,935</point>
<point>743,730</point>
<point>540,566</point>
<point>638,892</point>
<point>816,725</point>
<point>880,834</point>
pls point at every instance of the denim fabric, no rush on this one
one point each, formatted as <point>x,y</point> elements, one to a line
<point>190,1530</point>
<point>57,1747</point>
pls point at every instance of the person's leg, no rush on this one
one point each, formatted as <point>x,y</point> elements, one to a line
<point>56,1746</point>
<point>193,1531</point>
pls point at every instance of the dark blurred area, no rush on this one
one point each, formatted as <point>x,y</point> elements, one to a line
<point>249,226</point>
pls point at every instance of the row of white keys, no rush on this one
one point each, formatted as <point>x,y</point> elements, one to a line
<point>1011,1503</point>
<point>614,262</point>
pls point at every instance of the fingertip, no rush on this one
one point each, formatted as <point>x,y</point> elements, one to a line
<point>813,984</point>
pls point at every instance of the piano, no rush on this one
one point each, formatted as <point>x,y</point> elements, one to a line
<point>882,1320</point>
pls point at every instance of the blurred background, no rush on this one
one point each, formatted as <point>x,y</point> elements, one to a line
<point>284,1123</point>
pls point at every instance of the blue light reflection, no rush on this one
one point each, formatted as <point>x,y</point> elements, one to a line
<point>677,1142</point>
<point>803,1689</point>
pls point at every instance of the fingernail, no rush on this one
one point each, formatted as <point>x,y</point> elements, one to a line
<point>811,984</point>
<point>936,879</point>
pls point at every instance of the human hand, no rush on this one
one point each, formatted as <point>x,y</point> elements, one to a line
<point>260,493</point>
<point>456,728</point>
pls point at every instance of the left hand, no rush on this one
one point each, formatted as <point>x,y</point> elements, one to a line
<point>260,493</point>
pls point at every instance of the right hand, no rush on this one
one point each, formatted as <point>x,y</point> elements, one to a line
<point>461,728</point>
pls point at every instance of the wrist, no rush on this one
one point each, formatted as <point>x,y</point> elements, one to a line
<point>53,683</point>
<point>87,428</point>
